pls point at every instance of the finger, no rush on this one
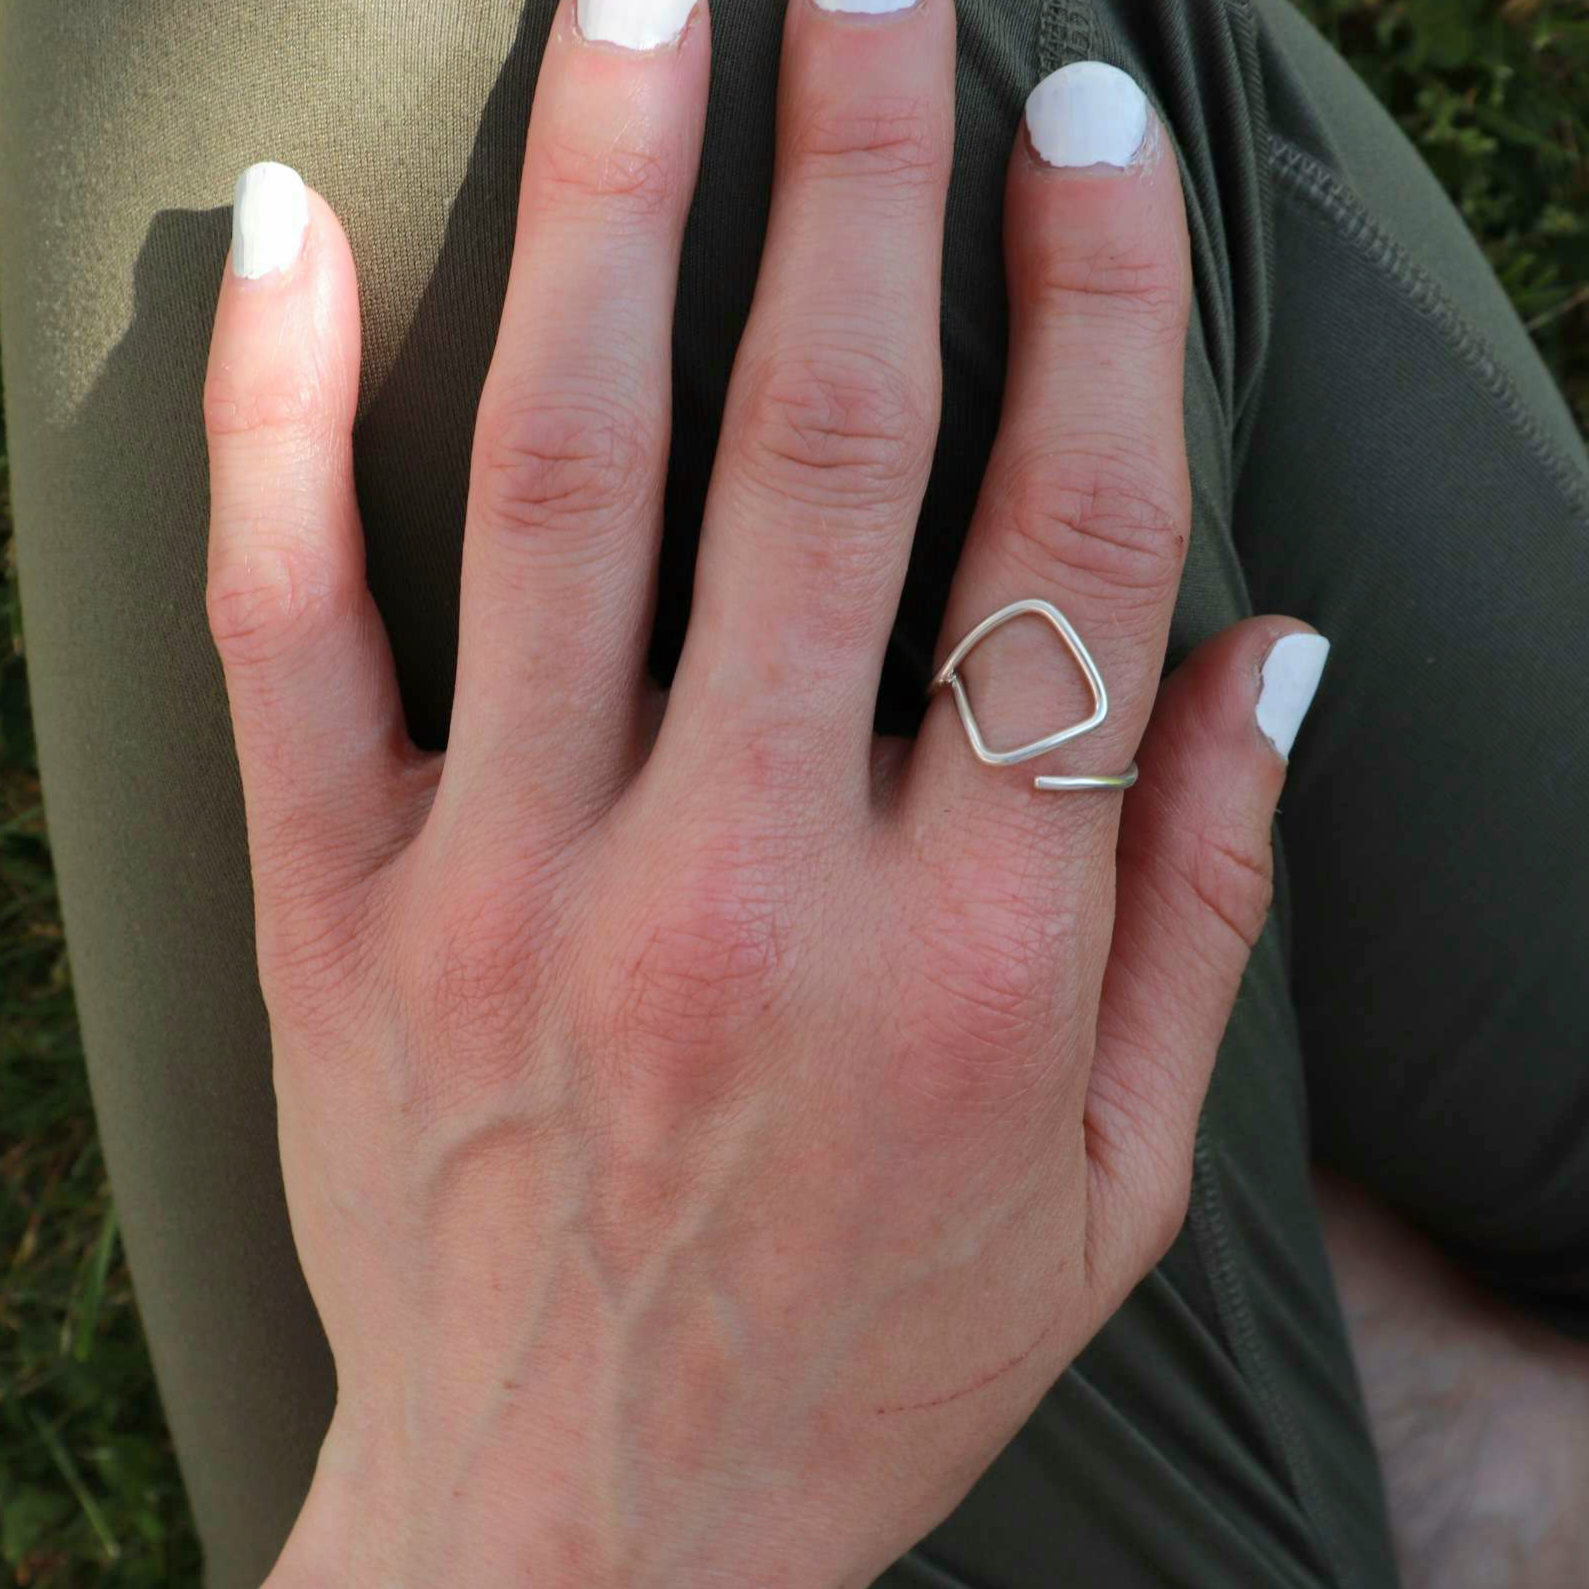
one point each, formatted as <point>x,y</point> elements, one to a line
<point>832,409</point>
<point>327,766</point>
<point>1193,890</point>
<point>571,439</point>
<point>1086,501</point>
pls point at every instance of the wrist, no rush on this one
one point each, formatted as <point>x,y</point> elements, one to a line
<point>425,1530</point>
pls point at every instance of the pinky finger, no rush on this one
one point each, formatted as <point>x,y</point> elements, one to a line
<point>1195,863</point>
<point>318,724</point>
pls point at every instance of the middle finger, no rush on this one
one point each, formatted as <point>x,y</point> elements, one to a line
<point>832,410</point>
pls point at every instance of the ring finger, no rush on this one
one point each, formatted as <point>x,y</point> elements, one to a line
<point>1086,500</point>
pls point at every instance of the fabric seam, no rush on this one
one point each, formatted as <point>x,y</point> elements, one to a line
<point>1307,178</point>
<point>1065,34</point>
<point>1211,1232</point>
<point>937,1576</point>
<point>1248,403</point>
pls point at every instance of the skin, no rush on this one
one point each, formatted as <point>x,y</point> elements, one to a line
<point>707,1129</point>
<point>1480,1415</point>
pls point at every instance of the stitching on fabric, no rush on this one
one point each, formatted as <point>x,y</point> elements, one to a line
<point>924,1568</point>
<point>1207,1215</point>
<point>1211,1232</point>
<point>1065,34</point>
<point>1306,177</point>
<point>1173,1477</point>
<point>1246,32</point>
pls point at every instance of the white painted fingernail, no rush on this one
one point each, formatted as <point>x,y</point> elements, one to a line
<point>870,8</point>
<point>1087,114</point>
<point>635,24</point>
<point>1290,676</point>
<point>270,214</point>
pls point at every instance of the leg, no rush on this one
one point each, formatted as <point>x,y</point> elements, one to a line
<point>1479,1411</point>
<point>1434,830</point>
<point>1237,1331</point>
<point>108,288</point>
<point>1437,526</point>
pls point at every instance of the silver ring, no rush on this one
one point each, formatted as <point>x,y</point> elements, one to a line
<point>949,675</point>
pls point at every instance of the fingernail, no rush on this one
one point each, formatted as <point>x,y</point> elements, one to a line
<point>270,214</point>
<point>1087,114</point>
<point>1290,676</point>
<point>635,24</point>
<point>870,8</point>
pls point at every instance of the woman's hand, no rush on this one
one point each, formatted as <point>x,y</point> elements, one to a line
<point>709,1131</point>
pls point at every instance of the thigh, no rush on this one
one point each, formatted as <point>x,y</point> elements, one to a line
<point>1212,1432</point>
<point>124,130</point>
<point>1416,489</point>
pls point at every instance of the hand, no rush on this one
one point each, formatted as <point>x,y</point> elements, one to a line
<point>708,1132</point>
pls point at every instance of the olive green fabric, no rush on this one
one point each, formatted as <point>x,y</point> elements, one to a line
<point>1374,448</point>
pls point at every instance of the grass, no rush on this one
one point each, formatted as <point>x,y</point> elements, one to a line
<point>89,1489</point>
<point>1496,96</point>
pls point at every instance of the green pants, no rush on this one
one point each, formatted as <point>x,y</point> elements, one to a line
<point>1374,448</point>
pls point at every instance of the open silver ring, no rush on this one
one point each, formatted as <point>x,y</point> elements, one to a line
<point>949,675</point>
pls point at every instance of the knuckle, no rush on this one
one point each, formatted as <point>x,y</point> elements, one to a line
<point>1233,879</point>
<point>830,428</point>
<point>315,950</point>
<point>268,602</point>
<point>981,1014</point>
<point>622,179</point>
<point>475,972</point>
<point>233,407</point>
<point>900,142</point>
<point>1229,879</point>
<point>546,467</point>
<point>1130,288</point>
<point>1098,520</point>
<point>704,963</point>
<point>763,772</point>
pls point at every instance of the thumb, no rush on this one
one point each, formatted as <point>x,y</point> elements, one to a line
<point>1195,878</point>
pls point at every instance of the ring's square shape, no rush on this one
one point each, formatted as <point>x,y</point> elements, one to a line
<point>948,674</point>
